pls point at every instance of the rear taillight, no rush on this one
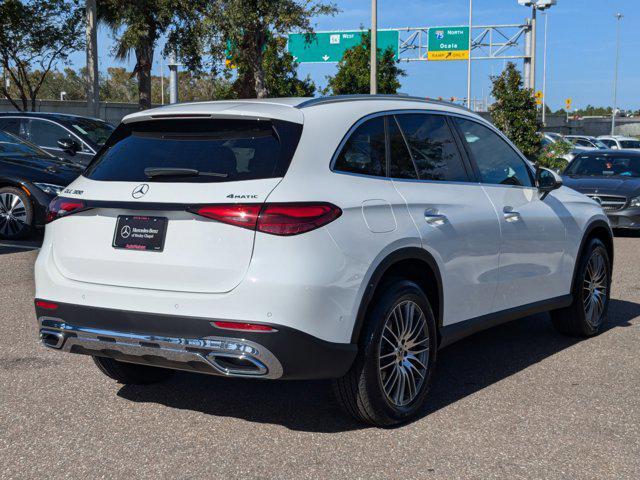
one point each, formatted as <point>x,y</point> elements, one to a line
<point>61,207</point>
<point>274,218</point>
<point>46,305</point>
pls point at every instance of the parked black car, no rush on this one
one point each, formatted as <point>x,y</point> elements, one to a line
<point>612,178</point>
<point>29,179</point>
<point>72,137</point>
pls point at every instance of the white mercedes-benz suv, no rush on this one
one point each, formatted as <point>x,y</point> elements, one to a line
<point>344,237</point>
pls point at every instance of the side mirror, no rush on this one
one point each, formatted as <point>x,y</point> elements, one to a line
<point>68,145</point>
<point>547,181</point>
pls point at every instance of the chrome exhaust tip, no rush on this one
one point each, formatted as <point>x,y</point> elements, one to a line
<point>51,338</point>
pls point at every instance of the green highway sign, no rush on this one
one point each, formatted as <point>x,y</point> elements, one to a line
<point>328,47</point>
<point>448,43</point>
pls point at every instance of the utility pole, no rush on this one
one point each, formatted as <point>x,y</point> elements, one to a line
<point>534,34</point>
<point>544,72</point>
<point>469,61</point>
<point>619,17</point>
<point>93,86</point>
<point>373,79</point>
<point>173,79</point>
<point>527,55</point>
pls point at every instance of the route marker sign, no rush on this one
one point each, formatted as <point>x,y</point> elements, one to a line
<point>448,43</point>
<point>329,47</point>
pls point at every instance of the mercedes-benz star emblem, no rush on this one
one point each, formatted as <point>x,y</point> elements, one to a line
<point>140,190</point>
<point>125,231</point>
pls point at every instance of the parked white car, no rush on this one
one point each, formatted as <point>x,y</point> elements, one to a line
<point>620,142</point>
<point>586,142</point>
<point>342,237</point>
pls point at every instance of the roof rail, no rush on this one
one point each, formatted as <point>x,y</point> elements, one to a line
<point>350,98</point>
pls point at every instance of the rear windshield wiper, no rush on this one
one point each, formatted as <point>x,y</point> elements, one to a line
<point>153,172</point>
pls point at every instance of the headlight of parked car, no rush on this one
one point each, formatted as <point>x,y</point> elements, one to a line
<point>635,202</point>
<point>50,188</point>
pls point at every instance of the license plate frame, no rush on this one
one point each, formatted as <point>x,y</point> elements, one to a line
<point>140,232</point>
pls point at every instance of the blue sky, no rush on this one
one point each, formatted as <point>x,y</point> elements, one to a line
<point>580,59</point>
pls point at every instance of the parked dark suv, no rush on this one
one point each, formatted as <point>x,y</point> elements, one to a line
<point>71,137</point>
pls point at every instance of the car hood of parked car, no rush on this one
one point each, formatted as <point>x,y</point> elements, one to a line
<point>627,186</point>
<point>35,168</point>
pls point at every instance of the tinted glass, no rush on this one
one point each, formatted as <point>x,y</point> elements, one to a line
<point>12,146</point>
<point>94,130</point>
<point>609,143</point>
<point>604,166</point>
<point>630,143</point>
<point>400,165</point>
<point>46,134</point>
<point>364,151</point>
<point>432,147</point>
<point>498,163</point>
<point>11,125</point>
<point>219,150</point>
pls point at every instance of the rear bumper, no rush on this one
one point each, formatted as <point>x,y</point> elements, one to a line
<point>627,219</point>
<point>192,344</point>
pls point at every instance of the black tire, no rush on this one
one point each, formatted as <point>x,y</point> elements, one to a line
<point>361,392</point>
<point>574,319</point>
<point>131,373</point>
<point>16,221</point>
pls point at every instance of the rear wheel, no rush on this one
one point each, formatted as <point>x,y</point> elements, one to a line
<point>591,291</point>
<point>131,373</point>
<point>390,378</point>
<point>16,213</point>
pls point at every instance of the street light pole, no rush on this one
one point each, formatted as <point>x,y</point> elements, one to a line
<point>534,34</point>
<point>615,76</point>
<point>469,60</point>
<point>373,79</point>
<point>544,72</point>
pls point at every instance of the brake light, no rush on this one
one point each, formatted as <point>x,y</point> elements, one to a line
<point>252,327</point>
<point>46,305</point>
<point>61,207</point>
<point>274,218</point>
<point>245,216</point>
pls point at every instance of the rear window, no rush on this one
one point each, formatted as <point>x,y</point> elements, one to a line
<point>218,150</point>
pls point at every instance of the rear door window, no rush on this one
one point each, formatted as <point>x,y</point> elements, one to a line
<point>11,125</point>
<point>364,151</point>
<point>218,150</point>
<point>433,147</point>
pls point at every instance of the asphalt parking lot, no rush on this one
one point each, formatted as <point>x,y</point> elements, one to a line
<point>517,401</point>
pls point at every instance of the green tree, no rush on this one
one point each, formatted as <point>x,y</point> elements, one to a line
<point>515,111</point>
<point>353,75</point>
<point>35,35</point>
<point>249,34</point>
<point>70,81</point>
<point>118,86</point>
<point>136,26</point>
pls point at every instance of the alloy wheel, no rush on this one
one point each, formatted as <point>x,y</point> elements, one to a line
<point>13,214</point>
<point>594,289</point>
<point>404,353</point>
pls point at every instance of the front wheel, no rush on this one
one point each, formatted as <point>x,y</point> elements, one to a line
<point>591,291</point>
<point>390,378</point>
<point>16,213</point>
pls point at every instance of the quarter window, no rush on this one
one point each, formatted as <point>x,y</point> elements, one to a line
<point>498,163</point>
<point>364,151</point>
<point>433,147</point>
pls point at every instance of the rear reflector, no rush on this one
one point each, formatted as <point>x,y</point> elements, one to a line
<point>274,218</point>
<point>46,305</point>
<point>61,207</point>
<point>252,327</point>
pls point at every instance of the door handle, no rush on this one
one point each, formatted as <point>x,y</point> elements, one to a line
<point>510,215</point>
<point>434,218</point>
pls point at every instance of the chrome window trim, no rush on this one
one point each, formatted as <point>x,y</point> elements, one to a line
<point>429,111</point>
<point>82,142</point>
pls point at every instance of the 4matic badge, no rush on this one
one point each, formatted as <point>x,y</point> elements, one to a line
<point>233,195</point>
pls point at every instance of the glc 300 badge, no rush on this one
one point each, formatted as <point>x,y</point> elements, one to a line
<point>140,190</point>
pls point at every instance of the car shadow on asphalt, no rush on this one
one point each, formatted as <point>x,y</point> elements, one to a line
<point>463,369</point>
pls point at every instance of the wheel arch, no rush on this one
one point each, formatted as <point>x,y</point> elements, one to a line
<point>601,230</point>
<point>412,263</point>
